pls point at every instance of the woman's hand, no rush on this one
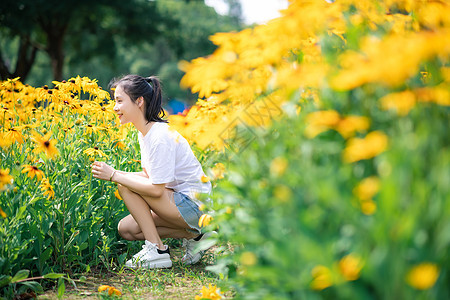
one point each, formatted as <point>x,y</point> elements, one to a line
<point>102,170</point>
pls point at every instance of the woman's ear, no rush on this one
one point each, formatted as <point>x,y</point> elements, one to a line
<point>140,101</point>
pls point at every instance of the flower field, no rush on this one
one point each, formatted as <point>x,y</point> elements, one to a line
<point>324,132</point>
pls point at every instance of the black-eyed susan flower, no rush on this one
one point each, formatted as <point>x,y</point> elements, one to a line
<point>44,144</point>
<point>5,178</point>
<point>47,188</point>
<point>95,152</point>
<point>93,128</point>
<point>14,135</point>
<point>33,171</point>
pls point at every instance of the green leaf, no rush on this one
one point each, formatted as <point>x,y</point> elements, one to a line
<point>22,274</point>
<point>45,255</point>
<point>53,275</point>
<point>61,287</point>
<point>35,286</point>
<point>5,280</point>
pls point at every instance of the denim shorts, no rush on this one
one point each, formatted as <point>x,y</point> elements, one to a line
<point>189,210</point>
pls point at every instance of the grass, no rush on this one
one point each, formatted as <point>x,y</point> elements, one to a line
<point>179,282</point>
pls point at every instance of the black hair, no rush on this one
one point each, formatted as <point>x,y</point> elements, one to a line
<point>149,88</point>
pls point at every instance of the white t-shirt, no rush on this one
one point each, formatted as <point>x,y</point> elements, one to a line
<point>167,158</point>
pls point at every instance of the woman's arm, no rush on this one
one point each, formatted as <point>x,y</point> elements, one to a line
<point>137,182</point>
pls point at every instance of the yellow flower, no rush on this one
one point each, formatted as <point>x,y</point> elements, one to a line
<point>368,207</point>
<point>320,121</point>
<point>33,171</point>
<point>248,258</point>
<point>47,188</point>
<point>116,193</point>
<point>350,266</point>
<point>2,213</point>
<point>5,178</point>
<point>94,152</point>
<point>373,144</point>
<point>13,135</point>
<point>423,276</point>
<point>348,125</point>
<point>204,179</point>
<point>120,144</point>
<point>401,102</point>
<point>103,288</point>
<point>204,220</point>
<point>111,290</point>
<point>44,144</point>
<point>367,188</point>
<point>322,277</point>
<point>283,193</point>
<point>278,166</point>
<point>211,292</point>
<point>218,171</point>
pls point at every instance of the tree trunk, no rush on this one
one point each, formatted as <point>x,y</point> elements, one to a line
<point>25,60</point>
<point>55,30</point>
<point>55,51</point>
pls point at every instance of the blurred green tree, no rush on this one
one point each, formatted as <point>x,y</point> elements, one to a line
<point>54,26</point>
<point>100,39</point>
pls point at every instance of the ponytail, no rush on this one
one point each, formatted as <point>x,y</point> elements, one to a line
<point>154,111</point>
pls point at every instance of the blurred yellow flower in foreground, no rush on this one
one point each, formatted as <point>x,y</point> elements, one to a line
<point>283,193</point>
<point>368,207</point>
<point>211,292</point>
<point>204,220</point>
<point>218,170</point>
<point>350,266</point>
<point>370,146</point>
<point>278,166</point>
<point>5,178</point>
<point>348,125</point>
<point>423,276</point>
<point>248,258</point>
<point>321,278</point>
<point>320,121</point>
<point>401,102</point>
<point>367,188</point>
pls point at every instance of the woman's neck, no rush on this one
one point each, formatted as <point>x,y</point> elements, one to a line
<point>144,126</point>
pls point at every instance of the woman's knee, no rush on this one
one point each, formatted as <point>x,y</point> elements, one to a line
<point>122,189</point>
<point>125,231</point>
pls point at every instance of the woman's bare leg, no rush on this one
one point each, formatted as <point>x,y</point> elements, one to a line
<point>129,229</point>
<point>165,212</point>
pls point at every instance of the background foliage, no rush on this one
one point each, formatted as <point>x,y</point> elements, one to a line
<point>323,142</point>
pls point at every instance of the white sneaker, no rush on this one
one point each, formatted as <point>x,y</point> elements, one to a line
<point>150,257</point>
<point>193,255</point>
